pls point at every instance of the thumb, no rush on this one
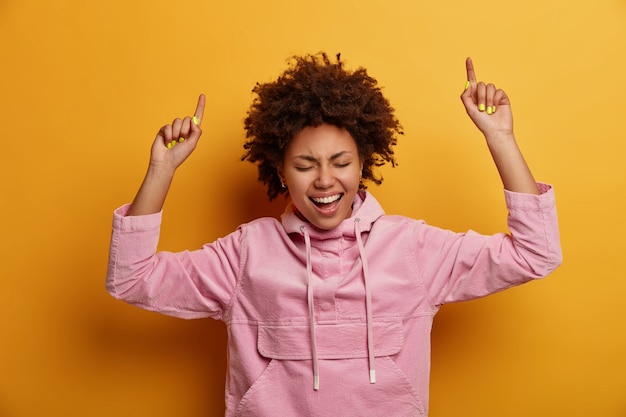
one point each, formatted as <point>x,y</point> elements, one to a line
<point>467,97</point>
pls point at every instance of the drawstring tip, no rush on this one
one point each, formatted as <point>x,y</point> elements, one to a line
<point>316,383</point>
<point>372,376</point>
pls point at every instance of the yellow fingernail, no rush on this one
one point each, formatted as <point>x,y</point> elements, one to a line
<point>181,140</point>
<point>493,109</point>
<point>489,110</point>
<point>195,120</point>
<point>467,84</point>
<point>481,107</point>
<point>169,145</point>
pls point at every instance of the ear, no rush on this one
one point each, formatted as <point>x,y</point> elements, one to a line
<point>280,173</point>
<point>281,176</point>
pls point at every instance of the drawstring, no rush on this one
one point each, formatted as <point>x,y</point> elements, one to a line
<point>309,276</point>
<point>368,303</point>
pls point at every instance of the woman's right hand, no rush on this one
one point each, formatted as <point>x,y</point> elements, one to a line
<point>176,141</point>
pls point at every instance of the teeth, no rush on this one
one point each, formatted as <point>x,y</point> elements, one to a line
<point>326,200</point>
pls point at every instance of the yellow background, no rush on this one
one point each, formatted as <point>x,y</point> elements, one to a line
<point>85,85</point>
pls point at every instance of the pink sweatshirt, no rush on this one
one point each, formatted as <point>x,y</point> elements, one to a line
<point>331,323</point>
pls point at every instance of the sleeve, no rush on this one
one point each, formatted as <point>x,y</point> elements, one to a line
<point>464,266</point>
<point>189,284</point>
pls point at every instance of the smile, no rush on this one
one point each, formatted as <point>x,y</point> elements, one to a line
<point>326,200</point>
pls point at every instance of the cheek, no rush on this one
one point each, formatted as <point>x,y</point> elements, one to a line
<point>353,178</point>
<point>297,185</point>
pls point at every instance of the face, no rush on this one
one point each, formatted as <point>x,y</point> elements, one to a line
<point>322,169</point>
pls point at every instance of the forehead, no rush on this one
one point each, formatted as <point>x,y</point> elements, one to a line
<point>322,141</point>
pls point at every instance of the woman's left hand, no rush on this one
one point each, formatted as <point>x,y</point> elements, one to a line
<point>488,107</point>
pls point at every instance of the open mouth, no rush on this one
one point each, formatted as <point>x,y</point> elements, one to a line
<point>326,201</point>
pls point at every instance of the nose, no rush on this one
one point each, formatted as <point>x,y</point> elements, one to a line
<point>325,178</point>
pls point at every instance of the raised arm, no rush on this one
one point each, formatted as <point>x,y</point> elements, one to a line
<point>173,144</point>
<point>490,110</point>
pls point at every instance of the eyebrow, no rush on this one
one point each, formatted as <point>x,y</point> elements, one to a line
<point>313,159</point>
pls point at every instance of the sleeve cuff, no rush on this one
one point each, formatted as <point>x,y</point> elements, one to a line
<point>125,223</point>
<point>542,202</point>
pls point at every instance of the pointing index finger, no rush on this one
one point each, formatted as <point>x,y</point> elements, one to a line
<point>471,75</point>
<point>199,109</point>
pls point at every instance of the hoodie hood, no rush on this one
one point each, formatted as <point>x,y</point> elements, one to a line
<point>365,211</point>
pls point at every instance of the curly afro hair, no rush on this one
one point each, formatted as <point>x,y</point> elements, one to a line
<point>312,91</point>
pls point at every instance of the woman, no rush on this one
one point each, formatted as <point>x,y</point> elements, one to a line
<point>329,310</point>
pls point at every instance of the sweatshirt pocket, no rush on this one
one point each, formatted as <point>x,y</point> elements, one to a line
<point>286,385</point>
